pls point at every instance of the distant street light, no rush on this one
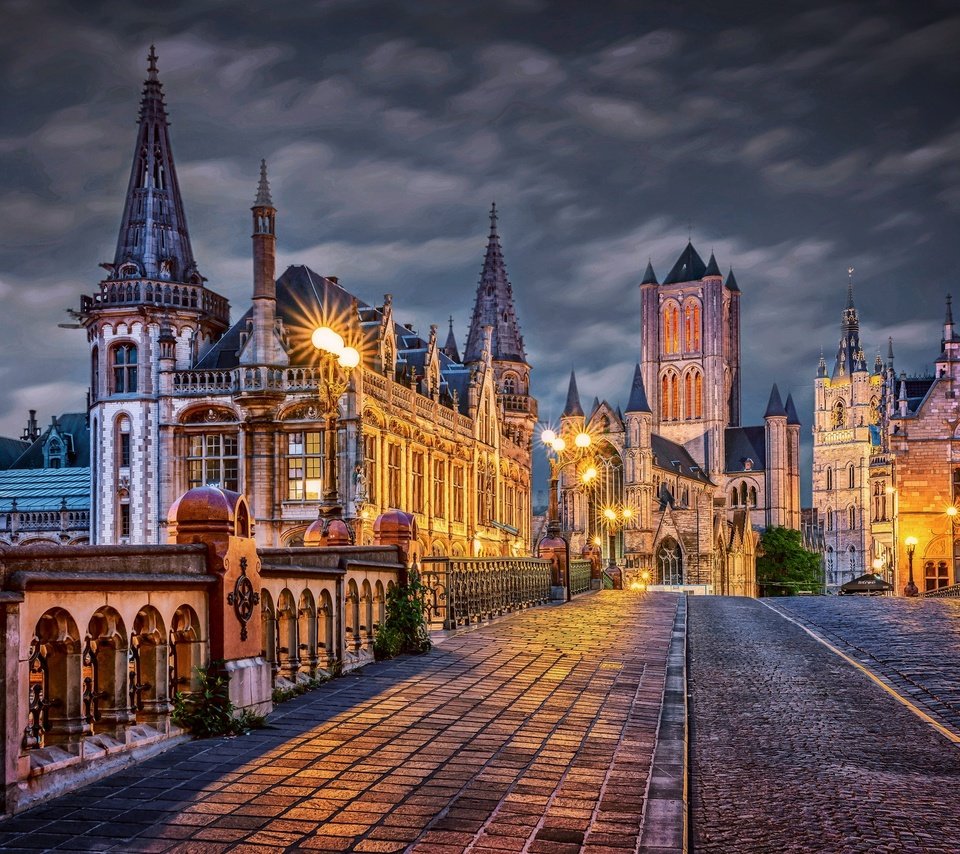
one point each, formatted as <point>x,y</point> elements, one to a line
<point>911,588</point>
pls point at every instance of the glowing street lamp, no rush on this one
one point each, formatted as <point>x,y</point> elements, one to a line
<point>910,589</point>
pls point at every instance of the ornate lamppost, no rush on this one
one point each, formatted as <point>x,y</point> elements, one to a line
<point>910,589</point>
<point>336,362</point>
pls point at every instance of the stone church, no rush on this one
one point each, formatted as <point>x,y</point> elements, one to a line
<point>886,462</point>
<point>181,397</point>
<point>675,484</point>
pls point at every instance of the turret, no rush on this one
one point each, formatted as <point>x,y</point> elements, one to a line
<point>777,486</point>
<point>850,358</point>
<point>450,347</point>
<point>793,464</point>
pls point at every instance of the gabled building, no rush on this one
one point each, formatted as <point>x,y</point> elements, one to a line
<point>183,397</point>
<point>682,486</point>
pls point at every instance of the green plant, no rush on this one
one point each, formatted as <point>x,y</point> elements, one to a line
<point>784,566</point>
<point>281,695</point>
<point>405,628</point>
<point>207,711</point>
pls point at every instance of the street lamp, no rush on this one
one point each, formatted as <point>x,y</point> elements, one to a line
<point>911,588</point>
<point>336,362</point>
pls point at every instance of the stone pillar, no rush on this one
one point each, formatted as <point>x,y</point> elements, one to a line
<point>112,673</point>
<point>154,677</point>
<point>396,528</point>
<point>555,549</point>
<point>12,697</point>
<point>65,691</point>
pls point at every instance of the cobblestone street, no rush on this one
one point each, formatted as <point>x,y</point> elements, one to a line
<point>535,733</point>
<point>794,749</point>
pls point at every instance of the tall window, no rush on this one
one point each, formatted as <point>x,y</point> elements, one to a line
<point>852,517</point>
<point>370,467</point>
<point>670,321</point>
<point>698,395</point>
<point>416,481</point>
<point>124,369</point>
<point>956,485</point>
<point>852,476</point>
<point>691,327</point>
<point>670,562</point>
<point>440,489</point>
<point>124,508</point>
<point>212,460</point>
<point>393,475</point>
<point>459,494</point>
<point>688,396</point>
<point>829,478</point>
<point>743,493</point>
<point>829,519</point>
<point>305,466</point>
<point>753,496</point>
<point>123,442</point>
<point>95,373</point>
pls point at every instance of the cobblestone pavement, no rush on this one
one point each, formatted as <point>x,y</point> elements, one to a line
<point>535,733</point>
<point>913,644</point>
<point>794,750</point>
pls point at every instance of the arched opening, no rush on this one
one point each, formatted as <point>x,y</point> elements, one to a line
<point>753,496</point>
<point>851,476</point>
<point>307,630</point>
<point>669,562</point>
<point>380,606</point>
<point>352,616</point>
<point>106,704</point>
<point>326,631</point>
<point>287,649</point>
<point>829,478</point>
<point>54,688</point>
<point>186,650</point>
<point>268,622</point>
<point>149,674</point>
<point>366,629</point>
<point>605,503</point>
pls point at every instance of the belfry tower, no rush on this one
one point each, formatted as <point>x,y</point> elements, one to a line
<point>151,316</point>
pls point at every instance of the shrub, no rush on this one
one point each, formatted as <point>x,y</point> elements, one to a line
<point>208,712</point>
<point>405,628</point>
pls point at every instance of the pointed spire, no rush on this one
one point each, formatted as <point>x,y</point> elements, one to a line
<point>638,394</point>
<point>791,409</point>
<point>949,334</point>
<point>688,268</point>
<point>450,348</point>
<point>649,277</point>
<point>890,350</point>
<point>572,406</point>
<point>775,408</point>
<point>849,354</point>
<point>263,199</point>
<point>153,242</point>
<point>713,268</point>
<point>822,367</point>
<point>494,307</point>
<point>949,315</point>
<point>878,364</point>
<point>594,406</point>
<point>731,283</point>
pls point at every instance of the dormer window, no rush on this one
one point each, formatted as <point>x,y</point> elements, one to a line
<point>128,271</point>
<point>55,453</point>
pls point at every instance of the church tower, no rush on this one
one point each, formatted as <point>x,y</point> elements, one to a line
<point>150,317</point>
<point>494,308</point>
<point>690,349</point>
<point>847,406</point>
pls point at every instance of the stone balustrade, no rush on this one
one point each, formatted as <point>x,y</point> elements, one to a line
<point>140,292</point>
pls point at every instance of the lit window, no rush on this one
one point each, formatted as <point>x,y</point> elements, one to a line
<point>416,481</point>
<point>393,475</point>
<point>458,494</point>
<point>305,466</point>
<point>440,489</point>
<point>212,460</point>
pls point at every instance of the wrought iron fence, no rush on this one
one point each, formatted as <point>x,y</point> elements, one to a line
<point>579,577</point>
<point>951,592</point>
<point>462,591</point>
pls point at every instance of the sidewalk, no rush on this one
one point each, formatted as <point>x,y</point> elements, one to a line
<point>534,733</point>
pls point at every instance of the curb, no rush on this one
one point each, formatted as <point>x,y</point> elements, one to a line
<point>665,822</point>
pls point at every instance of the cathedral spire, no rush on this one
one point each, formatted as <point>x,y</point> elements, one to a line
<point>494,306</point>
<point>948,328</point>
<point>849,353</point>
<point>450,348</point>
<point>572,406</point>
<point>263,199</point>
<point>638,394</point>
<point>153,242</point>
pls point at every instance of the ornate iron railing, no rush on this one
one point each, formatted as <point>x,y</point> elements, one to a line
<point>951,592</point>
<point>462,591</point>
<point>579,577</point>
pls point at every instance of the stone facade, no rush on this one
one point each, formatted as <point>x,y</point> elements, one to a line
<point>675,484</point>
<point>181,398</point>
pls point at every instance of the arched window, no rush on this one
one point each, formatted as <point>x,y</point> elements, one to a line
<point>670,328</point>
<point>675,396</point>
<point>753,496</point>
<point>698,394</point>
<point>829,478</point>
<point>743,493</point>
<point>829,560</point>
<point>839,415</point>
<point>670,397</point>
<point>852,476</point>
<point>124,357</point>
<point>670,562</point>
<point>852,517</point>
<point>95,373</point>
<point>935,575</point>
<point>122,441</point>
<point>829,519</point>
<point>509,384</point>
<point>691,326</point>
<point>688,395</point>
<point>853,559</point>
<point>733,497</point>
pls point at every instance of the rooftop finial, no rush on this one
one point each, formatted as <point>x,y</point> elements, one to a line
<point>263,199</point>
<point>949,316</point>
<point>849,287</point>
<point>152,64</point>
<point>890,349</point>
<point>493,219</point>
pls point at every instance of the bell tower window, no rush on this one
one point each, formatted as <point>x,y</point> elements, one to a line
<point>124,369</point>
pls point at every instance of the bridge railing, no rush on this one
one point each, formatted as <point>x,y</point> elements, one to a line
<point>951,592</point>
<point>579,577</point>
<point>461,591</point>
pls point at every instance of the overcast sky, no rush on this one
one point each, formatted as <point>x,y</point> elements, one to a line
<point>794,139</point>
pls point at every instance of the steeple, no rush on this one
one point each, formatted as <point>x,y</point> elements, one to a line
<point>572,406</point>
<point>450,348</point>
<point>948,329</point>
<point>731,282</point>
<point>849,352</point>
<point>689,267</point>
<point>649,277</point>
<point>791,409</point>
<point>775,407</point>
<point>713,269</point>
<point>822,366</point>
<point>153,242</point>
<point>263,199</point>
<point>638,394</point>
<point>494,307</point>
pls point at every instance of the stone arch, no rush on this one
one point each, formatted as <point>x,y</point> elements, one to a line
<point>149,667</point>
<point>287,648</point>
<point>105,672</point>
<point>268,620</point>
<point>669,562</point>
<point>380,605</point>
<point>54,688</point>
<point>326,630</point>
<point>307,631</point>
<point>186,649</point>
<point>352,616</point>
<point>366,599</point>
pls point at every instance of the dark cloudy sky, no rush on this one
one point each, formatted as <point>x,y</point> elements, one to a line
<point>792,138</point>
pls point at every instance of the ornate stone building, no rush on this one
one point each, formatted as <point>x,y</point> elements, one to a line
<point>680,485</point>
<point>180,397</point>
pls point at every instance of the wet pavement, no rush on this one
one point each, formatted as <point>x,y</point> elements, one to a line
<point>795,750</point>
<point>535,733</point>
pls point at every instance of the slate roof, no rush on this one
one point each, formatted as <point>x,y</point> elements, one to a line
<point>572,406</point>
<point>669,456</point>
<point>743,443</point>
<point>775,405</point>
<point>74,428</point>
<point>712,267</point>
<point>305,298</point>
<point>792,417</point>
<point>731,282</point>
<point>689,267</point>
<point>10,450</point>
<point>638,394</point>
<point>45,489</point>
<point>917,390</point>
<point>649,277</point>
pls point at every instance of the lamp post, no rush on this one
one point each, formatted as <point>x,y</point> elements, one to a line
<point>952,513</point>
<point>910,589</point>
<point>336,363</point>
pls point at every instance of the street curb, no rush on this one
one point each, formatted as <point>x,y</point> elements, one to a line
<point>665,821</point>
